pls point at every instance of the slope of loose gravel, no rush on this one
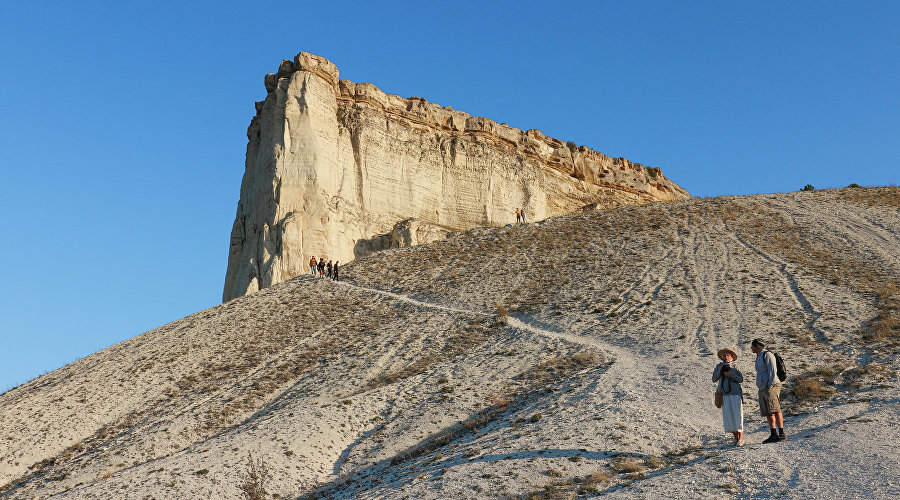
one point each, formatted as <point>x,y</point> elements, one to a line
<point>405,381</point>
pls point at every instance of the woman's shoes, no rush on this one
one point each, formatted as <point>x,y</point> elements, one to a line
<point>739,443</point>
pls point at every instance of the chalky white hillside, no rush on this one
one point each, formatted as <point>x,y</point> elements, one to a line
<point>569,357</point>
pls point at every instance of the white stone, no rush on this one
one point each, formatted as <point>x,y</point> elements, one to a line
<point>332,166</point>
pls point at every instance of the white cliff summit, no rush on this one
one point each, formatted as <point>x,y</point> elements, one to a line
<point>341,169</point>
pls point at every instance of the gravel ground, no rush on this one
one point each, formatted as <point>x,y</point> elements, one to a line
<point>565,358</point>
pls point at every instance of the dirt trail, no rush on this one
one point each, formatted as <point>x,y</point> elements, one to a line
<point>511,320</point>
<point>331,380</point>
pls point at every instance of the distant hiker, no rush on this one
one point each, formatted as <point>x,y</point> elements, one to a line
<point>328,267</point>
<point>518,215</point>
<point>321,267</point>
<point>769,391</point>
<point>729,379</point>
<point>312,265</point>
<point>522,213</point>
<point>335,270</point>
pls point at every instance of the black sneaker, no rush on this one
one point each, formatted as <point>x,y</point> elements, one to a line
<point>771,439</point>
<point>782,437</point>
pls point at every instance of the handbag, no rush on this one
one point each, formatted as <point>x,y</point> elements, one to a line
<point>718,399</point>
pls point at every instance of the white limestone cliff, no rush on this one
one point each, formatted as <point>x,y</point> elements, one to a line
<point>333,166</point>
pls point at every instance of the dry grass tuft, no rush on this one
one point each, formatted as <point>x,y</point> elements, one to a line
<point>888,196</point>
<point>498,400</point>
<point>860,377</point>
<point>808,389</point>
<point>558,368</point>
<point>627,465</point>
<point>254,479</point>
<point>591,483</point>
<point>886,325</point>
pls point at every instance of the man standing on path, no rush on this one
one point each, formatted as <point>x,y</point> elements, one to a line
<point>769,391</point>
<point>312,265</point>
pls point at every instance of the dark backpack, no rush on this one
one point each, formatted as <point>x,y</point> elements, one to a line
<point>780,369</point>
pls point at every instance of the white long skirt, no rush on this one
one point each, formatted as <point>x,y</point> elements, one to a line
<point>732,413</point>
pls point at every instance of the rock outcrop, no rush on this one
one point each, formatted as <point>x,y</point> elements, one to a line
<point>332,166</point>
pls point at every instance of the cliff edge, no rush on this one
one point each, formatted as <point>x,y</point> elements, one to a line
<point>339,169</point>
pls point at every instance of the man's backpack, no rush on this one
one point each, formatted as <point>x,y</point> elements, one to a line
<point>780,369</point>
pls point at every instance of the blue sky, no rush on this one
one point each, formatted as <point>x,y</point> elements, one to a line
<point>123,124</point>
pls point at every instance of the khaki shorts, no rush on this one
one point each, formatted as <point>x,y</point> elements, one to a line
<point>768,400</point>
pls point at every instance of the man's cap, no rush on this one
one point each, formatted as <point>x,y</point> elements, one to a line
<point>758,343</point>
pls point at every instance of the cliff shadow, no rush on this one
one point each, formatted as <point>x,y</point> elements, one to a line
<point>367,246</point>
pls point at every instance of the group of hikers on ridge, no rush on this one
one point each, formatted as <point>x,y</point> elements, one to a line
<point>729,396</point>
<point>330,270</point>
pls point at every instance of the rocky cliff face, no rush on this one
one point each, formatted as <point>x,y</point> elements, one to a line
<point>338,169</point>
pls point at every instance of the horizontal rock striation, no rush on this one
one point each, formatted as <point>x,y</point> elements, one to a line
<point>333,166</point>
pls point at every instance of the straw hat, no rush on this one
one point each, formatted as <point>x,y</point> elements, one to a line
<point>725,351</point>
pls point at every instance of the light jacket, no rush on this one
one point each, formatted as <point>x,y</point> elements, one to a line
<point>729,386</point>
<point>766,374</point>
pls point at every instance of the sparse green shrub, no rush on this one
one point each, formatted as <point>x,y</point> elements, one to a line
<point>808,187</point>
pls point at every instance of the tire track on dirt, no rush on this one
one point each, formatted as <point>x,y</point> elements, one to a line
<point>793,288</point>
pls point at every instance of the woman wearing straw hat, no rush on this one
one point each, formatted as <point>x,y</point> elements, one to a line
<point>729,379</point>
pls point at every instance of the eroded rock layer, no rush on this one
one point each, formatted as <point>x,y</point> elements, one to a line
<point>338,169</point>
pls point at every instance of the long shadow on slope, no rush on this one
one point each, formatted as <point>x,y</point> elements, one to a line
<point>492,419</point>
<point>53,468</point>
<point>804,432</point>
<point>874,405</point>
